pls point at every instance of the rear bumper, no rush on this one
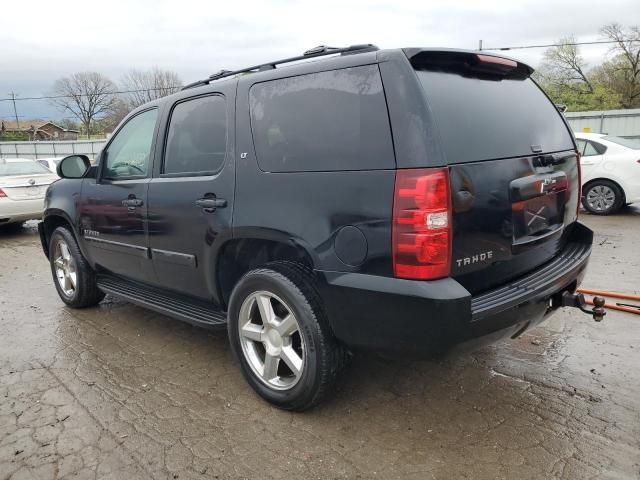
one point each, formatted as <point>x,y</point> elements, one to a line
<point>21,210</point>
<point>425,318</point>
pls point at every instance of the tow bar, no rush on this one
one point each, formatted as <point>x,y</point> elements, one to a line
<point>577,300</point>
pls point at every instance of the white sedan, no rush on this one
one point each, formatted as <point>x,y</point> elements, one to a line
<point>610,172</point>
<point>50,163</point>
<point>23,184</point>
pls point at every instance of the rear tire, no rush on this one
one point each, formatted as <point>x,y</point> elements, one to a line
<point>602,197</point>
<point>308,358</point>
<point>73,277</point>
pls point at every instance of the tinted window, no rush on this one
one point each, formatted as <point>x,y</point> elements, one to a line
<point>324,121</point>
<point>129,152</point>
<point>497,118</point>
<point>590,150</point>
<point>197,137</point>
<point>581,144</point>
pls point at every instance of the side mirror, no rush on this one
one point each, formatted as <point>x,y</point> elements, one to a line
<point>73,166</point>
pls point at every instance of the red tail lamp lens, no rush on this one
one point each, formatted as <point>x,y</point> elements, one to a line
<point>422,224</point>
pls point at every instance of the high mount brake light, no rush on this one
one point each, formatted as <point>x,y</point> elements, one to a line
<point>498,61</point>
<point>421,228</point>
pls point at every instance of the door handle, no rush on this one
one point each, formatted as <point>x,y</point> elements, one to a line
<point>209,204</point>
<point>132,203</point>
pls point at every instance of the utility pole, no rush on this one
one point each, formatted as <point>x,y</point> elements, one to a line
<point>15,111</point>
<point>480,45</point>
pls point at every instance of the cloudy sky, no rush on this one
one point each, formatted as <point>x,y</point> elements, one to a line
<point>39,43</point>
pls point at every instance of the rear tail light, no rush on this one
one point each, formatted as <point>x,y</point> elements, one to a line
<point>422,224</point>
<point>579,184</point>
<point>2,194</point>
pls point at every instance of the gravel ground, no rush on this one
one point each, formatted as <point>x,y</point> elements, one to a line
<point>120,392</point>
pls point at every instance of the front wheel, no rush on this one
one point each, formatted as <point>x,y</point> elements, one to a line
<point>74,278</point>
<point>279,332</point>
<point>602,197</point>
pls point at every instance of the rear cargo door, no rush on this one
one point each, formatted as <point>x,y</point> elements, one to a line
<point>512,160</point>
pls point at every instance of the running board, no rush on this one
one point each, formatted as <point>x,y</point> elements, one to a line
<point>191,310</point>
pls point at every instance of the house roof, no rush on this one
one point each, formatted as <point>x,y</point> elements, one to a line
<point>30,125</point>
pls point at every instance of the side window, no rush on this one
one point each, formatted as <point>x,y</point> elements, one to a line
<point>325,121</point>
<point>128,154</point>
<point>197,137</point>
<point>581,144</point>
<point>600,148</point>
<point>590,150</point>
<point>43,163</point>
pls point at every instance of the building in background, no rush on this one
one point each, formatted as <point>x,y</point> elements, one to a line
<point>35,130</point>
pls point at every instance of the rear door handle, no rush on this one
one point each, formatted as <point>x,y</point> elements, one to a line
<point>209,204</point>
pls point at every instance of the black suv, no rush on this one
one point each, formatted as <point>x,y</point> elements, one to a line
<point>401,200</point>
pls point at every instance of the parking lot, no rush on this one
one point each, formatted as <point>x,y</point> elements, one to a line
<point>121,392</point>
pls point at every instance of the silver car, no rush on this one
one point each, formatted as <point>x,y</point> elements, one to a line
<point>23,184</point>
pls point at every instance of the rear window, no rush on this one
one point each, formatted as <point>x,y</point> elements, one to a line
<point>489,117</point>
<point>326,121</point>
<point>8,169</point>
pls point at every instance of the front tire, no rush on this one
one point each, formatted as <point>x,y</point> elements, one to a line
<point>73,277</point>
<point>602,197</point>
<point>279,332</point>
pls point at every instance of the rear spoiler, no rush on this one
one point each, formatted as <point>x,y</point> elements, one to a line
<point>468,63</point>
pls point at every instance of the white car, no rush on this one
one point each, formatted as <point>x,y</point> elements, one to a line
<point>50,163</point>
<point>23,184</point>
<point>610,172</point>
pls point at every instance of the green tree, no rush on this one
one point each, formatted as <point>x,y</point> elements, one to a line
<point>621,73</point>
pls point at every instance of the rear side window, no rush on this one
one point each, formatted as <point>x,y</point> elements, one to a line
<point>326,121</point>
<point>588,148</point>
<point>488,117</point>
<point>197,137</point>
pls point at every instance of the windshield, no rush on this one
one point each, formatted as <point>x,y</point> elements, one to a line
<point>9,169</point>
<point>625,142</point>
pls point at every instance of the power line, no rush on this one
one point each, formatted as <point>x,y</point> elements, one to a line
<point>560,44</point>
<point>119,92</point>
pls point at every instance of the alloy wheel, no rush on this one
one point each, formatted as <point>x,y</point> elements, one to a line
<point>271,340</point>
<point>601,198</point>
<point>65,268</point>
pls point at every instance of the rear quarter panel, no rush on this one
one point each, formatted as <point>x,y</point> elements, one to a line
<point>310,208</point>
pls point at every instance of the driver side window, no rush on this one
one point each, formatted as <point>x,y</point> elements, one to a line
<point>128,154</point>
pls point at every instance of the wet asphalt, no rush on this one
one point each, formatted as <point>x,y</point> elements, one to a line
<point>120,392</point>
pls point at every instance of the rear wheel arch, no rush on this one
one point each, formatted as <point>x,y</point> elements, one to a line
<point>241,255</point>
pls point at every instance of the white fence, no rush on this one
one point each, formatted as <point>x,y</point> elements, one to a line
<point>622,123</point>
<point>36,150</point>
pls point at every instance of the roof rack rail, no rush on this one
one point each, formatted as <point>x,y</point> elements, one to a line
<point>319,51</point>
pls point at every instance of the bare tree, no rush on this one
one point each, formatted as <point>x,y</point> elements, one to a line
<point>622,73</point>
<point>118,112</point>
<point>145,86</point>
<point>88,96</point>
<point>564,67</point>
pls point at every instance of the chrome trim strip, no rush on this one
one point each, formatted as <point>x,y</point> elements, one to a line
<point>26,185</point>
<point>119,246</point>
<point>178,258</point>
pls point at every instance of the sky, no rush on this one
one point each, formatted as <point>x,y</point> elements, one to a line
<point>39,44</point>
